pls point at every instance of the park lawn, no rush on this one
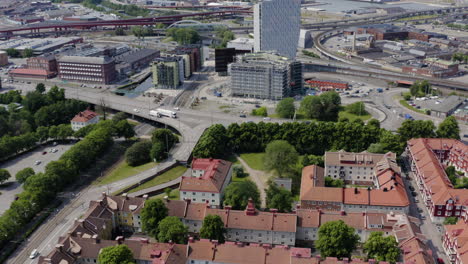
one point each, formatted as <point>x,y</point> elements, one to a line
<point>353,117</point>
<point>169,175</point>
<point>122,171</point>
<point>175,195</point>
<point>254,160</point>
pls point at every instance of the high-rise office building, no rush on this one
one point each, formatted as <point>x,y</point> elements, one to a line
<point>276,26</point>
<point>265,75</point>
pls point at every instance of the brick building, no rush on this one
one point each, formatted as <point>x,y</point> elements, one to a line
<point>427,158</point>
<point>45,62</point>
<point>87,69</point>
<point>325,85</point>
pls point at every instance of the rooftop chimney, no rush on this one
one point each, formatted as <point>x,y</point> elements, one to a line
<point>250,210</point>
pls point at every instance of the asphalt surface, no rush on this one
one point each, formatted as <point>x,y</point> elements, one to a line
<point>11,188</point>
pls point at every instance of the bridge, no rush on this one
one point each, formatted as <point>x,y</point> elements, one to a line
<point>57,27</point>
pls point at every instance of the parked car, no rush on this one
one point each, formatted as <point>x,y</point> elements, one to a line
<point>420,210</point>
<point>266,119</point>
<point>176,108</point>
<point>34,254</point>
<point>423,217</point>
<point>136,110</point>
<point>243,116</point>
<point>440,261</point>
<point>416,200</point>
<point>45,152</point>
<point>37,162</point>
<point>411,188</point>
<point>414,194</point>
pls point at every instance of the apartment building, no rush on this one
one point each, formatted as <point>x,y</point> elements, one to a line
<point>265,76</point>
<point>427,158</point>
<point>83,119</point>
<point>87,69</point>
<point>250,225</point>
<point>168,72</point>
<point>207,181</point>
<point>354,168</point>
<point>455,241</point>
<point>388,195</point>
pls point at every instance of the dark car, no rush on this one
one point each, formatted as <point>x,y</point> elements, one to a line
<point>440,261</point>
<point>411,188</point>
<point>243,116</point>
<point>414,194</point>
<point>45,152</point>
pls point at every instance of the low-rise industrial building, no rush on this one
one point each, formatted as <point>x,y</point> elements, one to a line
<point>3,58</point>
<point>325,85</point>
<point>135,60</point>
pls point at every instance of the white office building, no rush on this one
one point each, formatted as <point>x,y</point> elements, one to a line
<point>276,26</point>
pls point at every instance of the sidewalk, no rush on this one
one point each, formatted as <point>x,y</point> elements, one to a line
<point>257,178</point>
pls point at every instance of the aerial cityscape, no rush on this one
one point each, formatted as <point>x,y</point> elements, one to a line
<point>234,132</point>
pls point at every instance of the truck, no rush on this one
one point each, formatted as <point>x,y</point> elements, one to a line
<point>408,117</point>
<point>379,90</point>
<point>163,112</point>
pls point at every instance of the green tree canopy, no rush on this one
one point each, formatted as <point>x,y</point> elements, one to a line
<point>416,129</point>
<point>336,239</point>
<point>449,128</point>
<point>376,148</point>
<point>323,107</point>
<point>213,228</point>
<point>280,156</point>
<point>124,129</point>
<point>238,193</point>
<point>138,153</point>
<point>421,88</point>
<point>4,175</point>
<point>28,53</point>
<point>152,213</point>
<point>357,108</point>
<point>119,254</point>
<point>40,87</point>
<point>285,108</point>
<point>12,52</point>
<point>312,160</point>
<point>183,35</point>
<point>22,175</point>
<point>278,198</point>
<point>172,229</point>
<point>165,136</point>
<point>262,111</point>
<point>119,116</point>
<point>450,220</point>
<point>238,171</point>
<point>382,248</point>
<point>337,183</point>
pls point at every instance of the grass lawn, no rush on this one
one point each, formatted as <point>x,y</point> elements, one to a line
<point>352,117</point>
<point>175,195</point>
<point>122,171</point>
<point>165,177</point>
<point>254,160</point>
<point>405,104</point>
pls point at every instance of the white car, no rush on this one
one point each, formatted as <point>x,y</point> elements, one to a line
<point>136,110</point>
<point>266,119</point>
<point>176,108</point>
<point>34,254</point>
<point>37,162</point>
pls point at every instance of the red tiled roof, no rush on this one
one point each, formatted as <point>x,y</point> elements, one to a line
<point>84,116</point>
<point>215,174</point>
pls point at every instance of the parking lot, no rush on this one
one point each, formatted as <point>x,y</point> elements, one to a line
<point>29,159</point>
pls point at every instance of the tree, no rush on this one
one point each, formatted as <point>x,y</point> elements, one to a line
<point>164,136</point>
<point>168,191</point>
<point>183,35</point>
<point>56,94</point>
<point>451,174</point>
<point>238,193</point>
<point>416,129</point>
<point>376,148</point>
<point>374,122</point>
<point>357,108</point>
<point>330,182</point>
<point>158,152</point>
<point>12,52</point>
<point>382,248</point>
<point>280,156</point>
<point>212,143</point>
<point>119,116</point>
<point>213,228</point>
<point>22,175</point>
<point>262,111</point>
<point>119,31</point>
<point>119,254</point>
<point>421,88</point>
<point>336,239</point>
<point>4,175</point>
<point>278,198</point>
<point>448,128</point>
<point>323,107</point>
<point>124,129</point>
<point>286,108</point>
<point>64,131</point>
<point>172,229</point>
<point>28,53</point>
<point>138,153</point>
<point>40,87</point>
<point>312,160</point>
<point>238,171</point>
<point>450,220</point>
<point>152,213</point>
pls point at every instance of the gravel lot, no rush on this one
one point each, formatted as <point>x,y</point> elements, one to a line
<point>11,187</point>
